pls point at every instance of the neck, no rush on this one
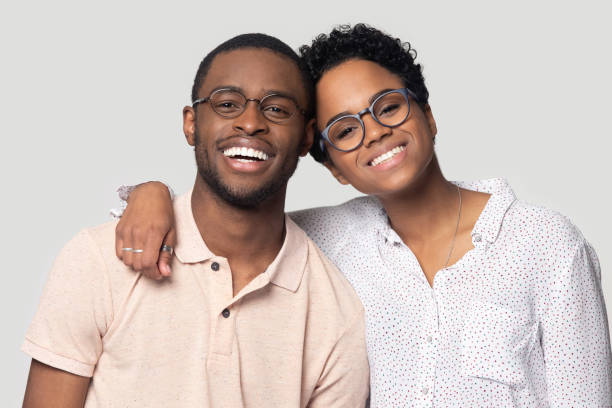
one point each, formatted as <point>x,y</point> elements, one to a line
<point>236,233</point>
<point>427,209</point>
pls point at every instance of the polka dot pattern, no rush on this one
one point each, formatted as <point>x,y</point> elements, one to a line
<point>519,321</point>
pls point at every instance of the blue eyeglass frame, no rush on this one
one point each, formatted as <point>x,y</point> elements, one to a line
<point>406,92</point>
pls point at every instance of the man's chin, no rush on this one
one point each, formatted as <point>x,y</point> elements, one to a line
<point>244,196</point>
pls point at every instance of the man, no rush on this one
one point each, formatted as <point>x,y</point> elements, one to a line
<point>254,314</point>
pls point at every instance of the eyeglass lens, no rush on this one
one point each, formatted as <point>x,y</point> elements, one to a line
<point>390,110</point>
<point>231,104</point>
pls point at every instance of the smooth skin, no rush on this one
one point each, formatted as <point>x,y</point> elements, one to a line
<point>421,204</point>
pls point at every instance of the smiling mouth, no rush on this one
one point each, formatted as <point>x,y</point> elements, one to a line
<point>245,154</point>
<point>386,156</point>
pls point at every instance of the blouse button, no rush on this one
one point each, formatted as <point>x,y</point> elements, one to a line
<point>477,237</point>
<point>214,266</point>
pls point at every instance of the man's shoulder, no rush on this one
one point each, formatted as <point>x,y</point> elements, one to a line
<point>91,253</point>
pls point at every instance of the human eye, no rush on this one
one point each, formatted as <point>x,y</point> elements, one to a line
<point>277,107</point>
<point>344,132</point>
<point>226,106</point>
<point>389,109</point>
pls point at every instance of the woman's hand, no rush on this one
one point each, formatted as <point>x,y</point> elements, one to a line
<point>147,224</point>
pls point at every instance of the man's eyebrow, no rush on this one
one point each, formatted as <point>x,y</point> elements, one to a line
<point>266,93</point>
<point>228,87</point>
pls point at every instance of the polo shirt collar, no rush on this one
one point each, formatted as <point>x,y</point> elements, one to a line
<point>285,271</point>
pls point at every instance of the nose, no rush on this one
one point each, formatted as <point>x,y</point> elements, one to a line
<point>374,131</point>
<point>252,121</point>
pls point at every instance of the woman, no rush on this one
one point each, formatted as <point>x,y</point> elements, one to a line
<point>472,297</point>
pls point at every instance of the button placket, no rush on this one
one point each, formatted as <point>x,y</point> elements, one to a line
<point>429,350</point>
<point>223,310</point>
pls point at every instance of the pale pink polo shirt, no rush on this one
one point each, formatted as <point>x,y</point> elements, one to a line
<point>293,337</point>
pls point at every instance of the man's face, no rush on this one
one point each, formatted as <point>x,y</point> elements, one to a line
<point>246,181</point>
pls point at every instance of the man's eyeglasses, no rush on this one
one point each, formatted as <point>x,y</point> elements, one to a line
<point>347,132</point>
<point>230,103</point>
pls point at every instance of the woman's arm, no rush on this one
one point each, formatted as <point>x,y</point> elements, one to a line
<point>147,223</point>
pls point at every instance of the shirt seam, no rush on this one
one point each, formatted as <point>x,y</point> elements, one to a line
<point>29,339</point>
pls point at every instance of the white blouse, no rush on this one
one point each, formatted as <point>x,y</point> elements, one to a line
<point>519,321</point>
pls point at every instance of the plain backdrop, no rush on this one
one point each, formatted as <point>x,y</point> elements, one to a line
<point>91,96</point>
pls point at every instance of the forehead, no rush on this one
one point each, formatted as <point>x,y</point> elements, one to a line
<point>256,71</point>
<point>349,86</point>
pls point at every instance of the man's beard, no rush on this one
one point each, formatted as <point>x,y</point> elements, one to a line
<point>242,197</point>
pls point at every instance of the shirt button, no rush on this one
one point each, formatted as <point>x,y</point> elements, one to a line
<point>425,390</point>
<point>429,339</point>
<point>225,313</point>
<point>477,237</point>
<point>214,266</point>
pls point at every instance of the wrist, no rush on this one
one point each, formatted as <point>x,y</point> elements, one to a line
<point>149,189</point>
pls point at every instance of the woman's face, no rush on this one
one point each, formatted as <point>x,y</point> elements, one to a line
<point>348,88</point>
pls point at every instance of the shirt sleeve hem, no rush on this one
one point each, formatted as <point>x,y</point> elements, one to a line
<point>54,360</point>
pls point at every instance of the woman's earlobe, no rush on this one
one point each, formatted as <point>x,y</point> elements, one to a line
<point>433,128</point>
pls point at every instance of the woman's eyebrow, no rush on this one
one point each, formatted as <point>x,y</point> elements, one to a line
<point>336,116</point>
<point>377,94</point>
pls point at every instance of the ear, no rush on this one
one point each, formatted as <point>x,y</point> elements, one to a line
<point>308,137</point>
<point>189,124</point>
<point>335,172</point>
<point>430,120</point>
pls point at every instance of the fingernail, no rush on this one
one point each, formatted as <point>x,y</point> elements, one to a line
<point>167,270</point>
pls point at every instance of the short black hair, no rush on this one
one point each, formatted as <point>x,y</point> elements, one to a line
<point>256,40</point>
<point>361,41</point>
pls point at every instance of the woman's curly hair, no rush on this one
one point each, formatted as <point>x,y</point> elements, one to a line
<point>361,41</point>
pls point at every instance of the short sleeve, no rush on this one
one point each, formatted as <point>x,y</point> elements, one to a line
<point>75,310</point>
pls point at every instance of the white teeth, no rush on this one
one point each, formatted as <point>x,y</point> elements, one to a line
<point>245,152</point>
<point>387,155</point>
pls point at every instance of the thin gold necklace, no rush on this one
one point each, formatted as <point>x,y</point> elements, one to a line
<point>456,229</point>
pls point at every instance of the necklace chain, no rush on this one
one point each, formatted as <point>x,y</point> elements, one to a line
<point>450,252</point>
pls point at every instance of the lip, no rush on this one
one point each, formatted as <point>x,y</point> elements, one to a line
<point>245,166</point>
<point>248,142</point>
<point>390,163</point>
<point>384,149</point>
<point>240,166</point>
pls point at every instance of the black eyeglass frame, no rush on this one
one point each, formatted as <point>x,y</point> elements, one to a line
<point>406,92</point>
<point>246,101</point>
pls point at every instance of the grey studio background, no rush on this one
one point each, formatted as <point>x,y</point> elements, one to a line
<point>91,98</point>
